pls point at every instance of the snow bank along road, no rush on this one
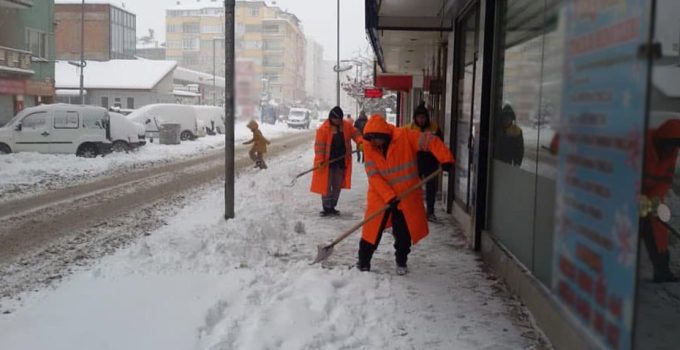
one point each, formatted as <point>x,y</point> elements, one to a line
<point>200,282</point>
<point>32,226</point>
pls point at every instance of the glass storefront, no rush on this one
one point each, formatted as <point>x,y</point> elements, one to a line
<point>527,102</point>
<point>658,295</point>
<point>529,86</point>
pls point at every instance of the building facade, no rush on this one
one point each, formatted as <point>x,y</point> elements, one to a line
<point>145,82</point>
<point>110,31</point>
<point>313,70</point>
<point>26,56</point>
<point>267,37</point>
<point>556,111</point>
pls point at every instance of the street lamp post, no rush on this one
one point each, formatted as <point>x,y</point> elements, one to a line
<point>337,86</point>
<point>229,14</point>
<point>82,50</point>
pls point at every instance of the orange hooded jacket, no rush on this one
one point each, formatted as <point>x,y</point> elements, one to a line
<point>322,153</point>
<point>392,175</point>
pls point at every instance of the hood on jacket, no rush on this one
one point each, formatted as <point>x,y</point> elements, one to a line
<point>252,125</point>
<point>376,126</point>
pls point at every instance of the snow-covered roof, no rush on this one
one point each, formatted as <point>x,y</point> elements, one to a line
<point>197,77</point>
<point>666,78</point>
<point>184,93</point>
<point>113,74</point>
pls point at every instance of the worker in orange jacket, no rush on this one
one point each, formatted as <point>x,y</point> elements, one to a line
<point>661,156</point>
<point>333,140</point>
<point>392,167</point>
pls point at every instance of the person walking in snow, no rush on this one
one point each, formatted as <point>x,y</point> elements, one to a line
<point>427,163</point>
<point>359,125</point>
<point>333,140</point>
<point>259,148</point>
<point>392,168</point>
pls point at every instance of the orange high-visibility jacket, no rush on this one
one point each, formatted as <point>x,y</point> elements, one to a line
<point>659,172</point>
<point>322,153</point>
<point>391,176</point>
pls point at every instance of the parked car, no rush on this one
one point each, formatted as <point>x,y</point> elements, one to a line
<point>126,135</point>
<point>155,115</point>
<point>212,116</point>
<point>299,118</point>
<point>58,128</point>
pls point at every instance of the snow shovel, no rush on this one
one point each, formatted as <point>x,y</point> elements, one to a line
<point>324,251</point>
<point>292,183</point>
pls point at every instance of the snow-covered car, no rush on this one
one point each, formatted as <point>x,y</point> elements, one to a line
<point>155,115</point>
<point>299,118</point>
<point>126,135</point>
<point>58,128</point>
<point>212,116</point>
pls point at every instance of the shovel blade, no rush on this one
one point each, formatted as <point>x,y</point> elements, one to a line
<point>322,253</point>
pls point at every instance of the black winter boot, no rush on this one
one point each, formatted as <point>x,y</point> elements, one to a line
<point>365,255</point>
<point>662,271</point>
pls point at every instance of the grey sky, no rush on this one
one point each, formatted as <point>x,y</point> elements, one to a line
<point>318,19</point>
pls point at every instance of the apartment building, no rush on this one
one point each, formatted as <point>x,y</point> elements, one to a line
<point>268,37</point>
<point>110,31</point>
<point>26,55</point>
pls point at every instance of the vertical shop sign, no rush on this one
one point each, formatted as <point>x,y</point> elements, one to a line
<point>601,137</point>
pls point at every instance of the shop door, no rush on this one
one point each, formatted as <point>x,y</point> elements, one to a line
<point>467,110</point>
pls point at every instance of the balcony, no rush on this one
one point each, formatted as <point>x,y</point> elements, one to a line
<point>15,61</point>
<point>17,4</point>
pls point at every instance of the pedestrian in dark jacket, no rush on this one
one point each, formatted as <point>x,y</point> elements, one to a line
<point>359,124</point>
<point>427,163</point>
<point>509,141</point>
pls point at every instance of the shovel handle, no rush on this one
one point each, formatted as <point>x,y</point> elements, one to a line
<point>323,165</point>
<point>381,210</point>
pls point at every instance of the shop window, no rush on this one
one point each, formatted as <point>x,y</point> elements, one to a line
<point>658,292</point>
<point>526,111</point>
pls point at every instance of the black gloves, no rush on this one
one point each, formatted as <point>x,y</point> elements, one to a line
<point>447,167</point>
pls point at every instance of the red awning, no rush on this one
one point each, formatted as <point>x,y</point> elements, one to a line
<point>394,82</point>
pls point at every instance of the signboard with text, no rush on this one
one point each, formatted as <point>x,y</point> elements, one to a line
<point>373,93</point>
<point>601,137</point>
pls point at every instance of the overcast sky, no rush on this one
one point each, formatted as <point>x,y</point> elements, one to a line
<point>318,19</point>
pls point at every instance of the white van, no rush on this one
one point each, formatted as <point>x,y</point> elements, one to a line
<point>58,128</point>
<point>299,118</point>
<point>155,115</point>
<point>212,116</point>
<point>126,135</point>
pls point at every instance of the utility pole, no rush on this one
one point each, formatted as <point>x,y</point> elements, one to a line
<point>82,50</point>
<point>214,66</point>
<point>229,14</point>
<point>337,85</point>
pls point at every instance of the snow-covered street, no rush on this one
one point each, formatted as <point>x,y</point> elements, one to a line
<point>23,174</point>
<point>202,283</point>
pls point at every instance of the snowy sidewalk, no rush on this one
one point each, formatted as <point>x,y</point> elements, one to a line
<point>202,283</point>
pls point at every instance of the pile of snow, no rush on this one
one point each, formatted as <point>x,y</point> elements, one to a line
<point>23,173</point>
<point>203,283</point>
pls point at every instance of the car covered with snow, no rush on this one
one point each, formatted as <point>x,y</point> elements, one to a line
<point>126,135</point>
<point>212,116</point>
<point>154,115</point>
<point>299,118</point>
<point>58,128</point>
